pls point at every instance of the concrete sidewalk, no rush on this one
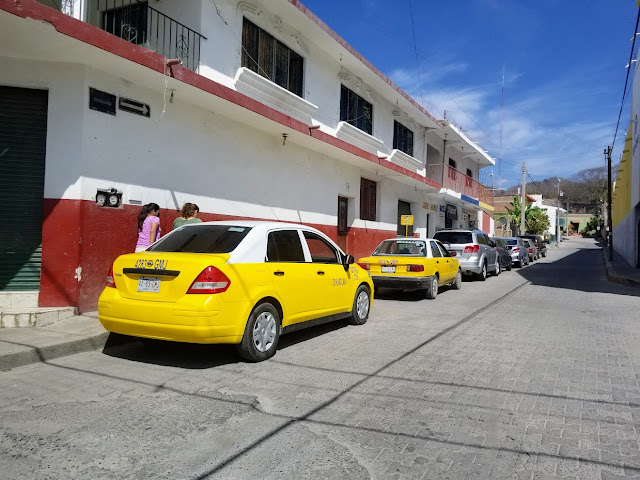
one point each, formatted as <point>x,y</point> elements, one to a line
<point>619,270</point>
<point>22,346</point>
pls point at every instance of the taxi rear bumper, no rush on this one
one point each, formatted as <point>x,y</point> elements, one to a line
<point>401,283</point>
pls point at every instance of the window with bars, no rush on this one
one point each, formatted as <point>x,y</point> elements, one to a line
<point>368,199</point>
<point>355,110</point>
<point>271,58</point>
<point>402,138</point>
<point>128,22</point>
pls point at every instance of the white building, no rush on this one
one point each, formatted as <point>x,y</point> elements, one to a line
<point>271,116</point>
<point>552,213</point>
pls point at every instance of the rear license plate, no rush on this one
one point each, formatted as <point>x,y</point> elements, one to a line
<point>149,284</point>
<point>388,269</point>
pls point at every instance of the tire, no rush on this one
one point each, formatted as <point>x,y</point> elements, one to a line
<point>261,334</point>
<point>498,269</point>
<point>457,283</point>
<point>361,304</point>
<point>544,254</point>
<point>482,276</point>
<point>432,291</point>
<point>509,266</point>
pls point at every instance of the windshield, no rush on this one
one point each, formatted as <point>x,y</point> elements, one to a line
<point>202,239</point>
<point>454,237</point>
<point>415,248</point>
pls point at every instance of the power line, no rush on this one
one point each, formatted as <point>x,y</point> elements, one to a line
<point>626,81</point>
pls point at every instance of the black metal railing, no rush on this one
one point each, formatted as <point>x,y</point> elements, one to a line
<point>138,23</point>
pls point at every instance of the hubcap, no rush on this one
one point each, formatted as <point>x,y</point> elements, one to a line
<point>484,271</point>
<point>362,305</point>
<point>264,332</point>
<point>434,285</point>
<point>458,280</point>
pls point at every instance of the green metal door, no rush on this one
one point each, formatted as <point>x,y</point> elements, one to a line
<point>23,139</point>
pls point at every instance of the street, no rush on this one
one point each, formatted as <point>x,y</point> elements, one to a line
<point>533,374</point>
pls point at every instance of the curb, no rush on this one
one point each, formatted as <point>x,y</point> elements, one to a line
<point>613,276</point>
<point>28,354</point>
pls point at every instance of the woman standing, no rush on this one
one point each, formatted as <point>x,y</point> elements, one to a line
<point>188,214</point>
<point>148,226</point>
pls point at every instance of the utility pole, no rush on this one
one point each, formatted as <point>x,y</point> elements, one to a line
<point>558,217</point>
<point>607,152</point>
<point>524,199</point>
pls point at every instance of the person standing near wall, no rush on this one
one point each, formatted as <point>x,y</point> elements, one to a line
<point>148,226</point>
<point>188,214</point>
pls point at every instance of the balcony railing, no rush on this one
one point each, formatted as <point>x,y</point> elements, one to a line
<point>136,22</point>
<point>459,182</point>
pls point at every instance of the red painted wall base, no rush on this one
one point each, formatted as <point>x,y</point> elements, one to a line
<point>80,241</point>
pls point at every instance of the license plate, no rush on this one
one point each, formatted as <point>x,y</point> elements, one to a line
<point>388,269</point>
<point>149,284</point>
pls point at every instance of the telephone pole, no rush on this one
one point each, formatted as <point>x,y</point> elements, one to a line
<point>607,152</point>
<point>558,217</point>
<point>524,199</point>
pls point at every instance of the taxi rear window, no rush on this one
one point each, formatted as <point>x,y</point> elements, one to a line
<point>202,239</point>
<point>401,247</point>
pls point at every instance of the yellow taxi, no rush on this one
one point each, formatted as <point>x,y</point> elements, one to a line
<point>242,283</point>
<point>413,264</point>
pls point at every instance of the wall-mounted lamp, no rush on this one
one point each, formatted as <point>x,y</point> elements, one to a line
<point>284,138</point>
<point>108,198</point>
<point>173,61</point>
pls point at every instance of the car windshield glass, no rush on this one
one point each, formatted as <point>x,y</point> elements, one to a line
<point>454,237</point>
<point>202,239</point>
<point>413,248</point>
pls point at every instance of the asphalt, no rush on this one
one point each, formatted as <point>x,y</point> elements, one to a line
<point>82,333</point>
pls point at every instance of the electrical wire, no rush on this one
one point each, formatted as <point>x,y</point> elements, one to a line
<point>626,81</point>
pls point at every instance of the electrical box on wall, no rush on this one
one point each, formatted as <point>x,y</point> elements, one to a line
<point>108,198</point>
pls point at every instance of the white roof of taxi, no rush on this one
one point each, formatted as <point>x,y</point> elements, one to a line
<point>266,225</point>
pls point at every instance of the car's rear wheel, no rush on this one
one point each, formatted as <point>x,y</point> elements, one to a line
<point>261,334</point>
<point>361,303</point>
<point>432,291</point>
<point>482,276</point>
<point>457,283</point>
<point>498,269</point>
<point>544,254</point>
<point>509,266</point>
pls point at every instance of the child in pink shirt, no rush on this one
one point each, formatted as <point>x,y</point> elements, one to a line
<point>148,226</point>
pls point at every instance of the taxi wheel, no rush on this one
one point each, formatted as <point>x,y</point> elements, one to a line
<point>457,284</point>
<point>361,303</point>
<point>261,334</point>
<point>432,291</point>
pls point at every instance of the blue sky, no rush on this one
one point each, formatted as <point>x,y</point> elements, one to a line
<point>564,63</point>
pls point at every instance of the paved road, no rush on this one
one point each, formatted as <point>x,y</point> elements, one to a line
<point>532,374</point>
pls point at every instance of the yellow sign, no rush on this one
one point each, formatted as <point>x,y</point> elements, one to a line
<point>406,220</point>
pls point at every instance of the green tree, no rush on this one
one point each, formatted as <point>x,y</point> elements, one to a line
<point>537,221</point>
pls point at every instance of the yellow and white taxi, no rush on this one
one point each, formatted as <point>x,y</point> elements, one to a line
<point>413,264</point>
<point>242,283</point>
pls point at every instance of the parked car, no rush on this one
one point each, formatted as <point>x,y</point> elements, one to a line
<point>242,283</point>
<point>518,250</point>
<point>413,264</point>
<point>539,243</point>
<point>503,253</point>
<point>531,249</point>
<point>473,248</point>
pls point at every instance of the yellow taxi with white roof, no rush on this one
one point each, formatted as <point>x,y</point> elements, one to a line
<point>413,264</point>
<point>242,283</point>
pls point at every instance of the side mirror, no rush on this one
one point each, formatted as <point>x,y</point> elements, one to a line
<point>346,261</point>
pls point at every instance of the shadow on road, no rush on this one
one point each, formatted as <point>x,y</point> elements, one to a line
<point>583,270</point>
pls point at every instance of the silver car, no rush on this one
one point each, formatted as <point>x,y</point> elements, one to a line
<point>474,249</point>
<point>519,251</point>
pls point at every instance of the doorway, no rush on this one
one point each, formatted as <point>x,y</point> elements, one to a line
<point>23,144</point>
<point>404,208</point>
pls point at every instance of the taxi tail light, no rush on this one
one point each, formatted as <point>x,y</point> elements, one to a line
<point>472,249</point>
<point>211,280</point>
<point>366,266</point>
<point>415,268</point>
<point>110,282</point>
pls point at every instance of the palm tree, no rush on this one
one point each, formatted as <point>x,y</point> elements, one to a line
<point>514,214</point>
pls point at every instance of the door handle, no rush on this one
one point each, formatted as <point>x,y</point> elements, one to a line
<point>437,261</point>
<point>320,272</point>
<point>278,273</point>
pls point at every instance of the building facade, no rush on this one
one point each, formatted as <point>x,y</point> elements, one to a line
<point>249,109</point>
<point>625,205</point>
